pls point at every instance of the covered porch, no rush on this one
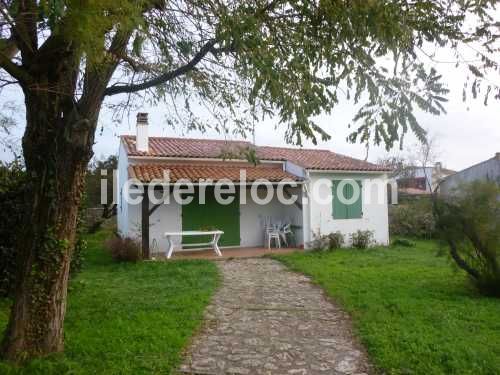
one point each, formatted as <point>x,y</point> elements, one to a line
<point>243,221</point>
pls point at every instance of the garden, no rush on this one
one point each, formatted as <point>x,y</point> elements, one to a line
<point>125,317</point>
<point>412,310</point>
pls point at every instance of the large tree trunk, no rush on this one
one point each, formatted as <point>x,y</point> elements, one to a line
<point>57,146</point>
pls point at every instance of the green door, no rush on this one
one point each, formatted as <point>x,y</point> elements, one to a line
<point>211,216</point>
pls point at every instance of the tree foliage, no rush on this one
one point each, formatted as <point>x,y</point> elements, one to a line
<point>469,222</point>
<point>241,60</point>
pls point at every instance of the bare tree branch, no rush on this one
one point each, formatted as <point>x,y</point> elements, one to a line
<point>165,77</point>
<point>13,69</point>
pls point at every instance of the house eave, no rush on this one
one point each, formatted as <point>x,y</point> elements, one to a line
<point>213,183</point>
<point>181,158</point>
<point>343,171</point>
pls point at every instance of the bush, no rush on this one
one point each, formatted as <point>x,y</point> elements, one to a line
<point>362,239</point>
<point>326,242</point>
<point>412,219</point>
<point>336,240</point>
<point>403,243</point>
<point>78,255</point>
<point>124,249</point>
<point>469,223</point>
<point>12,182</point>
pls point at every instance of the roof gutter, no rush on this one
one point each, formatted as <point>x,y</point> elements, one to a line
<point>345,171</point>
<point>213,183</point>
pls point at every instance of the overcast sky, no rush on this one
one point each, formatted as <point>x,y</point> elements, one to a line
<point>467,134</point>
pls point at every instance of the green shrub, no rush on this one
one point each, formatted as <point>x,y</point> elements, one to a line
<point>124,249</point>
<point>12,182</point>
<point>403,242</point>
<point>412,219</point>
<point>362,239</point>
<point>469,223</point>
<point>336,240</point>
<point>78,256</point>
<point>326,242</point>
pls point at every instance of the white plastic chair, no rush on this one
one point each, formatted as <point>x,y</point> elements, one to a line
<point>272,234</point>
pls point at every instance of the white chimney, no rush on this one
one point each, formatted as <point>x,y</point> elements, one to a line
<point>142,139</point>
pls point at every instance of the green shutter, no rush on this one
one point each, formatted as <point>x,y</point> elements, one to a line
<point>343,211</point>
<point>339,208</point>
<point>355,210</point>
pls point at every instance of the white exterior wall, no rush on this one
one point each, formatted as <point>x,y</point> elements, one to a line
<point>166,218</point>
<point>375,211</point>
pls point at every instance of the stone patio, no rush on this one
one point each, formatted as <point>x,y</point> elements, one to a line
<point>265,319</point>
<point>239,252</point>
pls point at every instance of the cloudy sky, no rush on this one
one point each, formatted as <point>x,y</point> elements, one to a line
<point>467,134</point>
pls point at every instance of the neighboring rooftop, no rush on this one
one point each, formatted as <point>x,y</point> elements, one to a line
<point>214,149</point>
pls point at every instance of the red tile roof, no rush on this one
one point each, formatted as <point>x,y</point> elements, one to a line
<point>213,149</point>
<point>316,159</point>
<point>215,172</point>
<point>184,147</point>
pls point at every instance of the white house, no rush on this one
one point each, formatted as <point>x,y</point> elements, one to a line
<point>309,175</point>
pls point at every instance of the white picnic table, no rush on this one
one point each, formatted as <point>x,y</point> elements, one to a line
<point>214,243</point>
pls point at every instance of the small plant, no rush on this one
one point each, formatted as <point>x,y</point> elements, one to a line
<point>319,242</point>
<point>78,255</point>
<point>327,242</point>
<point>124,249</point>
<point>362,239</point>
<point>336,240</point>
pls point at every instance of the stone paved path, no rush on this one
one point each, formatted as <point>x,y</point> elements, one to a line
<point>267,320</point>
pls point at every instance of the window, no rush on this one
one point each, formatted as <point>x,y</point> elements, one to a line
<point>342,210</point>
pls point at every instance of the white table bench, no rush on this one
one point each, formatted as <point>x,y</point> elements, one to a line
<point>214,243</point>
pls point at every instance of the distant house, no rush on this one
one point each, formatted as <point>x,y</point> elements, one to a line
<point>488,170</point>
<point>420,181</point>
<point>314,172</point>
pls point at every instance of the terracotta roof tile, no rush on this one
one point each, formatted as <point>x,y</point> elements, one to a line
<point>212,149</point>
<point>316,159</point>
<point>184,147</point>
<point>215,172</point>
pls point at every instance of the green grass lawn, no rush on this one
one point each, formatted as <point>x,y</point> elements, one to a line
<point>413,312</point>
<point>127,318</point>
